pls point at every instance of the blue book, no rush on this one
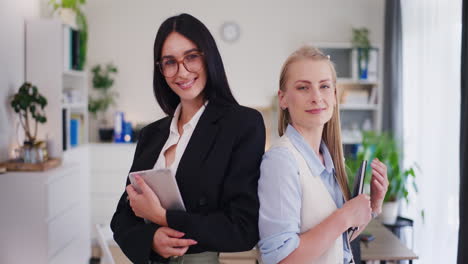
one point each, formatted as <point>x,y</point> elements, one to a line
<point>74,132</point>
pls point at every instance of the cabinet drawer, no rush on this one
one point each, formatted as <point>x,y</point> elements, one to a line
<point>63,192</point>
<point>64,228</point>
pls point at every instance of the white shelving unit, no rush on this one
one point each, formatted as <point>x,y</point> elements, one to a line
<point>47,53</point>
<point>365,109</point>
<point>61,236</point>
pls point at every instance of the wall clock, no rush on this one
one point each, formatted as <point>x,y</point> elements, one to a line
<point>230,32</point>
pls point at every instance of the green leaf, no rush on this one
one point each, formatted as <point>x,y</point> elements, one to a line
<point>102,82</point>
<point>384,147</point>
<point>26,101</point>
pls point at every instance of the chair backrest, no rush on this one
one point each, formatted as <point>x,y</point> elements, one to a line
<point>104,235</point>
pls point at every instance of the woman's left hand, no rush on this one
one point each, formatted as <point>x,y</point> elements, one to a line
<point>379,185</point>
<point>146,204</point>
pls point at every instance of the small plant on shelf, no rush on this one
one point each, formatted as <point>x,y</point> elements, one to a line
<point>29,104</point>
<point>103,80</point>
<point>360,41</point>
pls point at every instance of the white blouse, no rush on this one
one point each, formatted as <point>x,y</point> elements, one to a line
<point>181,140</point>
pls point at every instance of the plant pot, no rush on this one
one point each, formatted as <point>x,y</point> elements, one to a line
<point>33,153</point>
<point>106,134</point>
<point>389,212</point>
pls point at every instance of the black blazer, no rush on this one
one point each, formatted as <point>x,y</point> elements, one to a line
<point>217,177</point>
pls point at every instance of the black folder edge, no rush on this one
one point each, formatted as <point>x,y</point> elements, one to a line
<point>358,188</point>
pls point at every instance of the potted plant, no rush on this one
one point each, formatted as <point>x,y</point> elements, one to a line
<point>71,13</point>
<point>384,147</point>
<point>29,104</point>
<point>98,105</point>
<point>360,41</point>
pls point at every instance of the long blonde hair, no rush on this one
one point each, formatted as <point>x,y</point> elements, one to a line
<point>331,134</point>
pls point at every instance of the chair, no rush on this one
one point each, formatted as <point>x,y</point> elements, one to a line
<point>111,252</point>
<point>104,236</point>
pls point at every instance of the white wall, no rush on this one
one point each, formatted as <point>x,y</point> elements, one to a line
<point>13,13</point>
<point>123,31</point>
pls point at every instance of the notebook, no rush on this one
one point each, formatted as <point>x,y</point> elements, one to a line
<point>358,187</point>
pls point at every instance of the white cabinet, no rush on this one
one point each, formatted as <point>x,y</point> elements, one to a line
<point>46,215</point>
<point>110,164</point>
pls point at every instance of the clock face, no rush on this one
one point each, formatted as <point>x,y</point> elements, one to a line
<point>230,31</point>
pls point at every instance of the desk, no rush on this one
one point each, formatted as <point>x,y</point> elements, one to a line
<point>385,246</point>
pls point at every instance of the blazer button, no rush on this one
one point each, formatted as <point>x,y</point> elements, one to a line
<point>202,201</point>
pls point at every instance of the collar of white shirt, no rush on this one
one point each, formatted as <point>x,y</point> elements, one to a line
<point>176,138</point>
<point>190,124</point>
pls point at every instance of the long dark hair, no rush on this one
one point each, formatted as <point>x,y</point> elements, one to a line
<point>217,87</point>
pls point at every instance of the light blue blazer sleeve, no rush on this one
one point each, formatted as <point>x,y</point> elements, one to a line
<point>279,191</point>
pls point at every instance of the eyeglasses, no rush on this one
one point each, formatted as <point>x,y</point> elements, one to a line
<point>169,66</point>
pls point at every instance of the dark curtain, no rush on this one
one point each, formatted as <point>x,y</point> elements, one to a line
<point>392,120</point>
<point>463,230</point>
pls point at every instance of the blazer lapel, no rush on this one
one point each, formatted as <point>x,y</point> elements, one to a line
<point>198,148</point>
<point>155,139</point>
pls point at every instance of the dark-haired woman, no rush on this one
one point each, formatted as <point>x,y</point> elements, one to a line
<point>213,147</point>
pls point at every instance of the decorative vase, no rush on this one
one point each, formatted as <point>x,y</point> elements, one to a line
<point>389,212</point>
<point>33,152</point>
<point>363,63</point>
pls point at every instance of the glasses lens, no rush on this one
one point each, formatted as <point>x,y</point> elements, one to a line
<point>193,62</point>
<point>169,67</point>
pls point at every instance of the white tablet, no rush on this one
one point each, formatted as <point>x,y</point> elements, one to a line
<point>163,184</point>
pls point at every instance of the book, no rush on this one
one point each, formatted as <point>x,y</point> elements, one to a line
<point>79,117</point>
<point>74,132</point>
<point>75,49</point>
<point>358,188</point>
<point>64,130</point>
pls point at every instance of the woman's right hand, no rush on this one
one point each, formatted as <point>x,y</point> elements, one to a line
<point>358,210</point>
<point>167,242</point>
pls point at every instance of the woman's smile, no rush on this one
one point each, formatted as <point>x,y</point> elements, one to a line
<point>185,85</point>
<point>316,110</point>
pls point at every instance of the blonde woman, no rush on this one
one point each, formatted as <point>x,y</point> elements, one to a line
<point>305,205</point>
